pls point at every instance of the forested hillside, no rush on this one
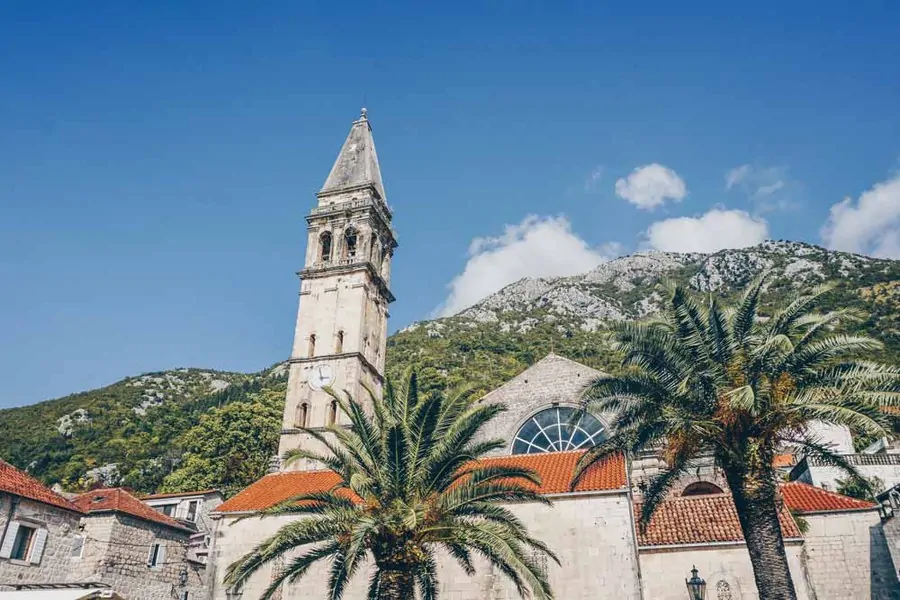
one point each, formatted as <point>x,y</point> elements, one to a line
<point>192,428</point>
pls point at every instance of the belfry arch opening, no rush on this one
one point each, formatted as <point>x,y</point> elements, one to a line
<point>350,242</point>
<point>325,243</point>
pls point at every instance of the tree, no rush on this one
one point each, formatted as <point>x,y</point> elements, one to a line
<point>230,447</point>
<point>410,484</point>
<point>860,489</point>
<point>703,380</point>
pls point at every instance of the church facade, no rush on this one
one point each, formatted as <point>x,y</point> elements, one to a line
<point>837,546</point>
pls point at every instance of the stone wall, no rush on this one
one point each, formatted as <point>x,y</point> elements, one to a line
<point>116,552</point>
<point>61,526</point>
<point>725,567</point>
<point>592,534</point>
<point>847,556</point>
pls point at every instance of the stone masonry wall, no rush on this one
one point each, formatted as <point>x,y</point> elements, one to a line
<point>591,534</point>
<point>116,552</point>
<point>61,526</point>
<point>726,569</point>
<point>847,556</point>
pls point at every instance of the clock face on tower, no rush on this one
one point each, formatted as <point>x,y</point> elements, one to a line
<point>321,376</point>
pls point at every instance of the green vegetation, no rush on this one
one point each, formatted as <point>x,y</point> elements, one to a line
<point>149,426</point>
<point>408,488</point>
<point>703,378</point>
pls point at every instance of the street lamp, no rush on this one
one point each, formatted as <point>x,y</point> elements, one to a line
<point>696,586</point>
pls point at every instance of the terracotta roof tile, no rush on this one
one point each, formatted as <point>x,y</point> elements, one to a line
<point>555,470</point>
<point>802,497</point>
<point>784,460</point>
<point>14,481</point>
<point>178,494</point>
<point>700,520</point>
<point>118,500</point>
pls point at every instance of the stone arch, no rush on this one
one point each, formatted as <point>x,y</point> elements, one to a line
<point>701,488</point>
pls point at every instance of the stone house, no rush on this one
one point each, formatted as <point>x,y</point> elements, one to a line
<point>193,510</point>
<point>132,547</point>
<point>37,530</point>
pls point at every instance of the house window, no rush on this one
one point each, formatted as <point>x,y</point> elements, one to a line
<point>167,509</point>
<point>192,511</point>
<point>157,556</point>
<point>77,546</point>
<point>22,544</point>
<point>325,247</point>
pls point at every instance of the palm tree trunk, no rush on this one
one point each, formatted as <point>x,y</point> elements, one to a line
<point>396,584</point>
<point>756,501</point>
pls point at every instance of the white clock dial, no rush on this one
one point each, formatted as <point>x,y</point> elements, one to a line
<point>321,376</point>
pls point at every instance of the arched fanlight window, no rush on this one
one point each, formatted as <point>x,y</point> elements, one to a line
<point>553,430</point>
<point>312,345</point>
<point>325,247</point>
<point>332,412</point>
<point>350,239</point>
<point>302,414</point>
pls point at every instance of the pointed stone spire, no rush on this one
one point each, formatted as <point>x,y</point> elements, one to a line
<point>357,164</point>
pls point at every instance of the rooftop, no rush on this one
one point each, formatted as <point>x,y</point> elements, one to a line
<point>700,520</point>
<point>357,163</point>
<point>806,498</point>
<point>555,470</point>
<point>14,481</point>
<point>118,500</point>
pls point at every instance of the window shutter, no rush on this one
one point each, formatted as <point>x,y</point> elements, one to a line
<point>161,555</point>
<point>9,540</point>
<point>150,556</point>
<point>37,550</point>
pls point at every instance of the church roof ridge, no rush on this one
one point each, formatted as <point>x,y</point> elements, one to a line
<point>357,162</point>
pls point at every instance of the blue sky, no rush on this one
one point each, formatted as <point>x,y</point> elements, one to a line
<point>156,161</point>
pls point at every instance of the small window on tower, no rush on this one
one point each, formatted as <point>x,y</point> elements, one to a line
<point>325,247</point>
<point>375,251</point>
<point>332,412</point>
<point>302,414</point>
<point>339,343</point>
<point>350,243</point>
<point>312,345</point>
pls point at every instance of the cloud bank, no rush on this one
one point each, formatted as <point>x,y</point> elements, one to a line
<point>650,186</point>
<point>869,225</point>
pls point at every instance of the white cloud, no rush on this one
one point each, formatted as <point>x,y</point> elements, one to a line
<point>871,225</point>
<point>736,175</point>
<point>649,186</point>
<point>593,178</point>
<point>715,230</point>
<point>536,247</point>
<point>769,188</point>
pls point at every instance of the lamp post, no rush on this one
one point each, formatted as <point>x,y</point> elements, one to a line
<point>696,585</point>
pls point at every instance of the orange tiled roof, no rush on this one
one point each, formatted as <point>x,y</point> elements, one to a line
<point>178,494</point>
<point>783,460</point>
<point>118,500</point>
<point>554,468</point>
<point>807,498</point>
<point>700,520</point>
<point>14,481</point>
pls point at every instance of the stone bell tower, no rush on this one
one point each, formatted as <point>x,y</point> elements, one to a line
<point>341,333</point>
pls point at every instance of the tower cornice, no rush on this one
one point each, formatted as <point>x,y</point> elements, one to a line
<point>355,206</point>
<point>349,267</point>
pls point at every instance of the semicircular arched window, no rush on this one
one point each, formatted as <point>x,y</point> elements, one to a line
<point>552,430</point>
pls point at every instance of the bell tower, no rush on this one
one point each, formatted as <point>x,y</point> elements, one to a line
<point>341,333</point>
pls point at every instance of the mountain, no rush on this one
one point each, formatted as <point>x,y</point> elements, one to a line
<point>199,428</point>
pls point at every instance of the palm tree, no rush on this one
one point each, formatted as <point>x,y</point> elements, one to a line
<point>702,380</point>
<point>410,483</point>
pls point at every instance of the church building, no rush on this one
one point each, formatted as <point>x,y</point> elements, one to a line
<point>837,547</point>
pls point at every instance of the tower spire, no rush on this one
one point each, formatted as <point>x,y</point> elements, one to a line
<point>357,163</point>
